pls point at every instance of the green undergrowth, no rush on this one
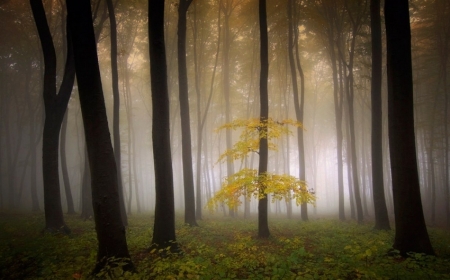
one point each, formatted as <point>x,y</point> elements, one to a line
<point>221,248</point>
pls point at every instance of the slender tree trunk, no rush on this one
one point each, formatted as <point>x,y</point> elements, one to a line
<point>188,177</point>
<point>263,224</point>
<point>405,178</point>
<point>227,10</point>
<point>379,201</point>
<point>338,118</point>
<point>355,20</point>
<point>202,120</point>
<point>298,104</point>
<point>65,173</point>
<point>116,108</point>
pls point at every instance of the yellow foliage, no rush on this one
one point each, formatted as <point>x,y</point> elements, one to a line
<point>252,132</point>
<point>247,183</point>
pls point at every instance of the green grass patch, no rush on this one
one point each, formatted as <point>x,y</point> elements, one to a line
<point>221,248</point>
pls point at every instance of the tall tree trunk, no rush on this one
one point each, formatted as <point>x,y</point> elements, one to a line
<point>63,134</point>
<point>201,120</point>
<point>227,8</point>
<point>188,177</point>
<point>298,104</point>
<point>116,108</point>
<point>263,224</point>
<point>55,107</point>
<point>105,191</point>
<point>379,201</point>
<point>164,227</point>
<point>338,101</point>
<point>405,178</point>
<point>299,113</point>
<point>356,24</point>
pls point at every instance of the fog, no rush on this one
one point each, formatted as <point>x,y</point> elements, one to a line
<point>22,108</point>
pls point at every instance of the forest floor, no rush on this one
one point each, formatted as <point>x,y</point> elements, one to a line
<point>221,248</point>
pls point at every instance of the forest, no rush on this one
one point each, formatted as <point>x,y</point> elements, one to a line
<point>224,139</point>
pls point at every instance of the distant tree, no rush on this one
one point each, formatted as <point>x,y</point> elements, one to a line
<point>164,227</point>
<point>63,136</point>
<point>188,177</point>
<point>227,7</point>
<point>410,230</point>
<point>379,201</point>
<point>201,118</point>
<point>329,15</point>
<point>116,107</point>
<point>356,16</point>
<point>299,103</point>
<point>64,169</point>
<point>108,223</point>
<point>55,108</point>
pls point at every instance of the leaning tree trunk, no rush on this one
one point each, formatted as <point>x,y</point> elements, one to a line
<point>409,216</point>
<point>105,191</point>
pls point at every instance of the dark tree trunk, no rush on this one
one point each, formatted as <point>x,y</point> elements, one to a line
<point>188,177</point>
<point>410,230</point>
<point>55,107</point>
<point>116,107</point>
<point>164,228</point>
<point>105,194</point>
<point>379,201</point>
<point>263,224</point>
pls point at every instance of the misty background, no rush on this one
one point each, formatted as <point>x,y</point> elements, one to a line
<point>237,36</point>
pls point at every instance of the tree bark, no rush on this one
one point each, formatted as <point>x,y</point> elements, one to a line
<point>405,178</point>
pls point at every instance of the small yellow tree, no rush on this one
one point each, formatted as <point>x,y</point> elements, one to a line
<point>246,182</point>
